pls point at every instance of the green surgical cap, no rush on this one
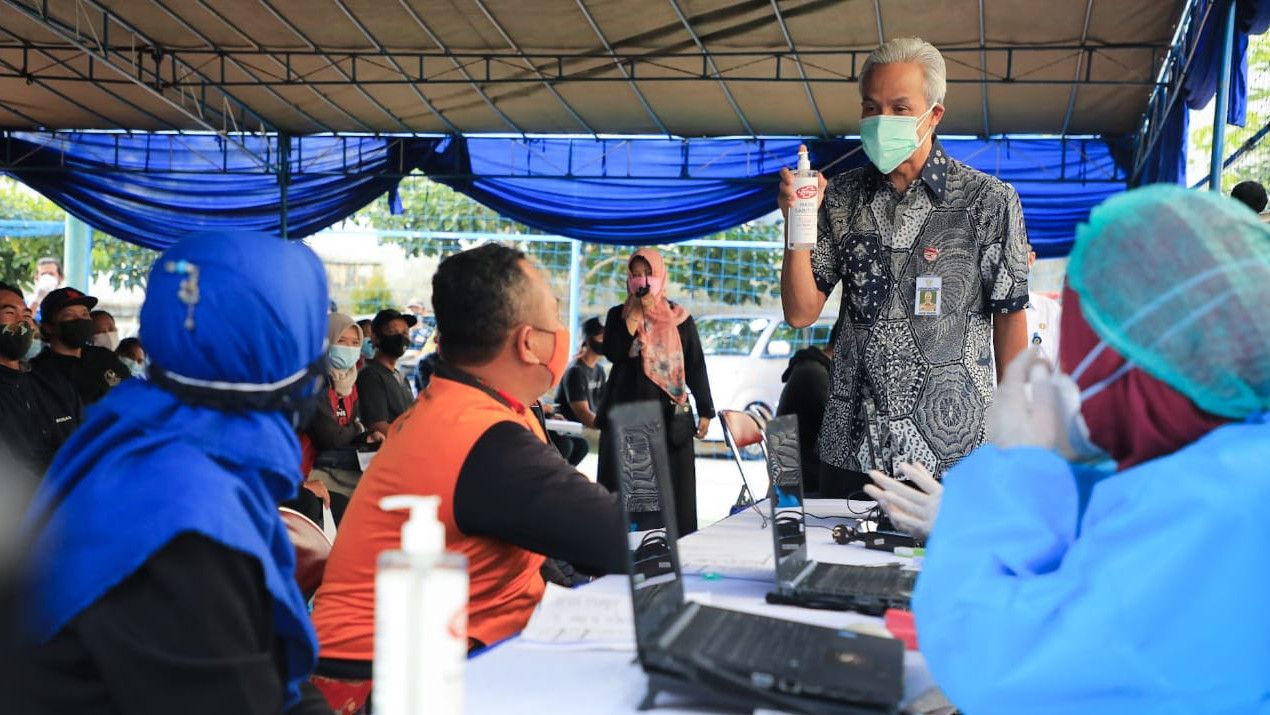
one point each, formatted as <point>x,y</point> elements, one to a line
<point>1178,282</point>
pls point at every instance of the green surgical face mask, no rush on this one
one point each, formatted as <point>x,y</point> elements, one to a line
<point>889,140</point>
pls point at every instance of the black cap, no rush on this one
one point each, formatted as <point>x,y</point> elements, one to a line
<point>592,327</point>
<point>387,315</point>
<point>61,298</point>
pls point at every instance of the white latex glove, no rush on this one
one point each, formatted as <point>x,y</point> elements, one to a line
<point>912,510</point>
<point>1037,406</point>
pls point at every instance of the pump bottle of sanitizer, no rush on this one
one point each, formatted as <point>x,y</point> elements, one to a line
<point>420,617</point>
<point>800,233</point>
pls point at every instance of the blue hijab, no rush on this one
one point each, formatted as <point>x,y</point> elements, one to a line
<point>242,316</point>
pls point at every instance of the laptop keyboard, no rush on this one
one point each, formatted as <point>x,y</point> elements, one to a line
<point>750,642</point>
<point>840,580</point>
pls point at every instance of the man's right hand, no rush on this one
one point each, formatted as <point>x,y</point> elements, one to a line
<point>800,297</point>
<point>785,198</point>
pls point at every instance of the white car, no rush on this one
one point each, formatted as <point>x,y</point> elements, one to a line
<point>745,357</point>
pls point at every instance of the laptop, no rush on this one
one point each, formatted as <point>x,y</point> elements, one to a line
<point>801,581</point>
<point>722,657</point>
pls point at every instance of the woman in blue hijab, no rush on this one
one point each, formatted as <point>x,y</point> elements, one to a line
<point>161,578</point>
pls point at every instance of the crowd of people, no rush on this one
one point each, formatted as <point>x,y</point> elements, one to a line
<point>1045,455</point>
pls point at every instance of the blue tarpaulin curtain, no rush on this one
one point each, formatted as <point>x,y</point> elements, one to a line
<point>644,191</point>
<point>626,191</point>
<point>1167,162</point>
<point>151,189</point>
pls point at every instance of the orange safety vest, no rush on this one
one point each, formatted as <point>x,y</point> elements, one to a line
<point>423,454</point>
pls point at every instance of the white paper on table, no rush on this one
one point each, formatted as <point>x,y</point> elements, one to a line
<point>363,459</point>
<point>586,619</point>
<point>582,617</point>
<point>564,427</point>
<point>727,561</point>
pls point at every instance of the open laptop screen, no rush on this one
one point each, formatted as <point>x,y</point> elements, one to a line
<point>784,469</point>
<point>637,442</point>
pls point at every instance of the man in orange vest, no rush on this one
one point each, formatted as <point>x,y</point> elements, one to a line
<point>507,496</point>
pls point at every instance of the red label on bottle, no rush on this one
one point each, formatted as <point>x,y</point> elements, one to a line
<point>930,254</point>
<point>805,192</point>
<point>458,624</point>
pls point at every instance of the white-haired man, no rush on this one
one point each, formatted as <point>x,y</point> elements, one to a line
<point>932,255</point>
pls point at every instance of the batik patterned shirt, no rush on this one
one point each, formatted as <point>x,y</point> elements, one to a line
<point>910,387</point>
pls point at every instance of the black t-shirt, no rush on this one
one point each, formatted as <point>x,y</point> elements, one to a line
<point>580,384</point>
<point>501,494</point>
<point>92,374</point>
<point>36,417</point>
<point>806,393</point>
<point>382,394</point>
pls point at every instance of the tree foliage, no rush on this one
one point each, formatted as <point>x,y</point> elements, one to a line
<point>371,297</point>
<point>18,255</point>
<point>1254,165</point>
<point>125,264</point>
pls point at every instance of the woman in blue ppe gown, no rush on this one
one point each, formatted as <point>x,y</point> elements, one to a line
<point>1053,587</point>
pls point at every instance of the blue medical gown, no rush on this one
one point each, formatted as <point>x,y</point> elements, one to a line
<point>1049,588</point>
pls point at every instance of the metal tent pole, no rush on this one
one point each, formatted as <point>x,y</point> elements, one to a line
<point>1223,98</point>
<point>284,177</point>
<point>77,249</point>
<point>575,292</point>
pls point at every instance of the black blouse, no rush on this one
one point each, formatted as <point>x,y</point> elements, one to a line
<point>627,381</point>
<point>191,631</point>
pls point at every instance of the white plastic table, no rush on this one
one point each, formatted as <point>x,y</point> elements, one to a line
<point>732,562</point>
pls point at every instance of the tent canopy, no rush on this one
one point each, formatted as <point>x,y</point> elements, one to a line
<point>150,189</point>
<point>679,67</point>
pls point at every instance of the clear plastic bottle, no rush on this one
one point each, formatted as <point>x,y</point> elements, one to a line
<point>421,596</point>
<point>800,234</point>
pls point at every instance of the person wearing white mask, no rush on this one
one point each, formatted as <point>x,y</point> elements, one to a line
<point>37,342</point>
<point>368,345</point>
<point>131,353</point>
<point>1121,508</point>
<point>911,377</point>
<point>105,334</point>
<point>48,278</point>
<point>328,444</point>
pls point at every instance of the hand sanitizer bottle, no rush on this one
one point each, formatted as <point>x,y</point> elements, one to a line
<point>800,233</point>
<point>420,617</point>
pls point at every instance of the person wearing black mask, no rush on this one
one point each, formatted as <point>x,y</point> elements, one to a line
<point>67,327</point>
<point>382,391</point>
<point>578,397</point>
<point>36,414</point>
<point>808,380</point>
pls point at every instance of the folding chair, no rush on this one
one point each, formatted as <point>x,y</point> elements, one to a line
<point>742,430</point>
<point>312,548</point>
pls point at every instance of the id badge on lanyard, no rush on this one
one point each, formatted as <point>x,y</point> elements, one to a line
<point>929,295</point>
